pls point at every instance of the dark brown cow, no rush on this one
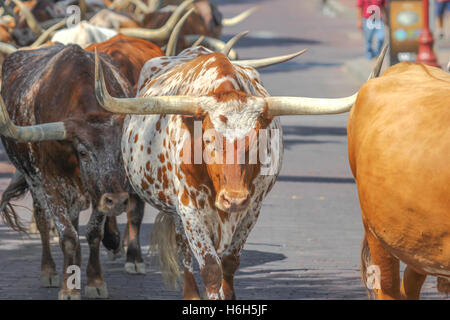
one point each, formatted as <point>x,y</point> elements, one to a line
<point>131,55</point>
<point>74,158</point>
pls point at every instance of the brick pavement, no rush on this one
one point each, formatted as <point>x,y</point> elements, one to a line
<point>306,242</point>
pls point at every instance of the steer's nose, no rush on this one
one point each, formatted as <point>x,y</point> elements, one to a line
<point>114,204</point>
<point>233,201</point>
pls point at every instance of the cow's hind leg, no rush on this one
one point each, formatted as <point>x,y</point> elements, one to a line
<point>111,239</point>
<point>134,264</point>
<point>388,284</point>
<point>96,287</point>
<point>412,284</point>
<point>49,276</point>
<point>190,288</point>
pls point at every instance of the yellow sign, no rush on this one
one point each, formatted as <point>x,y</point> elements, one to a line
<point>406,22</point>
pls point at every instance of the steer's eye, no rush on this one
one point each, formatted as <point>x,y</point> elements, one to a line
<point>82,153</point>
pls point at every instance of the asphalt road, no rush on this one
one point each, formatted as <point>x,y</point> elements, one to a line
<point>306,243</point>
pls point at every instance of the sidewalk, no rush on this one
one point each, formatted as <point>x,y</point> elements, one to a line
<point>359,68</point>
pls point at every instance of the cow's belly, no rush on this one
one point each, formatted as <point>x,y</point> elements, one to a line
<point>408,218</point>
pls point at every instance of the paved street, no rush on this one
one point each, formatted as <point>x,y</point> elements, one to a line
<point>306,243</point>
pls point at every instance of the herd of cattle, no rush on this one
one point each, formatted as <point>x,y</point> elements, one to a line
<point>95,115</point>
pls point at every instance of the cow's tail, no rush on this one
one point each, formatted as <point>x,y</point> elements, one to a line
<point>163,240</point>
<point>366,261</point>
<point>16,189</point>
<point>443,285</point>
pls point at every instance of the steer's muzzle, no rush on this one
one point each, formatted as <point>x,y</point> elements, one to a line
<point>113,204</point>
<point>233,201</point>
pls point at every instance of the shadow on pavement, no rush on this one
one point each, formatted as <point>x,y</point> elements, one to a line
<point>263,41</point>
<point>292,66</point>
<point>314,131</point>
<point>289,143</point>
<point>315,179</point>
<point>290,284</point>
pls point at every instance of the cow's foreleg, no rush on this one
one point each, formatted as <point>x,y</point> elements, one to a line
<point>135,264</point>
<point>96,286</point>
<point>49,276</point>
<point>190,288</point>
<point>204,251</point>
<point>70,245</point>
<point>232,255</point>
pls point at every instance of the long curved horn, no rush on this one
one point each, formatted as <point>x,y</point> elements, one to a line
<point>266,62</point>
<point>7,48</point>
<point>150,105</point>
<point>240,17</point>
<point>48,33</point>
<point>212,43</point>
<point>29,17</point>
<point>198,42</point>
<point>173,40</point>
<point>230,44</point>
<point>379,63</point>
<point>161,33</point>
<point>285,106</point>
<point>154,5</point>
<point>40,132</point>
<point>83,9</point>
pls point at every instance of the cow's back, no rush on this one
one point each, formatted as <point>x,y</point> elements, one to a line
<point>52,84</point>
<point>130,54</point>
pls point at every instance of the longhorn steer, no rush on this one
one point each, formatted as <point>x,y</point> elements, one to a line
<point>193,104</point>
<point>399,153</point>
<point>68,151</point>
<point>131,55</point>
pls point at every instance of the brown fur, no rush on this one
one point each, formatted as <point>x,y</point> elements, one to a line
<point>399,139</point>
<point>130,53</point>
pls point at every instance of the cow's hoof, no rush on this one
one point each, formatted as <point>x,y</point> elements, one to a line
<point>49,280</point>
<point>135,268</point>
<point>113,255</point>
<point>100,292</point>
<point>65,294</point>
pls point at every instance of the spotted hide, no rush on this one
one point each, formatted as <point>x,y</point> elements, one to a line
<point>212,207</point>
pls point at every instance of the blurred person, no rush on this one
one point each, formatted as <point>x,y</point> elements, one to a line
<point>371,21</point>
<point>441,7</point>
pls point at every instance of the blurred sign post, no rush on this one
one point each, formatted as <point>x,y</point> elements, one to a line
<point>426,54</point>
<point>406,23</point>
